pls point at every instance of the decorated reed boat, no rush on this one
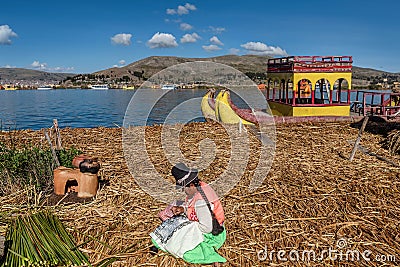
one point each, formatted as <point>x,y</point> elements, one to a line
<point>227,112</point>
<point>128,87</point>
<point>308,88</point>
<point>224,110</point>
<point>10,87</point>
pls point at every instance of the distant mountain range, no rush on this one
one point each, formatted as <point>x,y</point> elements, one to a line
<point>145,68</point>
<point>28,75</point>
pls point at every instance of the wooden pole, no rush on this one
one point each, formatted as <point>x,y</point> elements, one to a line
<point>53,152</point>
<point>58,136</point>
<point>360,132</point>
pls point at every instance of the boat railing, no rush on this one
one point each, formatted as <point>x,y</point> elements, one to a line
<point>381,104</point>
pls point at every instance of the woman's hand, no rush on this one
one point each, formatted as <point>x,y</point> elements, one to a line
<point>176,210</point>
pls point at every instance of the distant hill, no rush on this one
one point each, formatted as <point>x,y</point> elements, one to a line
<point>151,65</point>
<point>28,75</point>
<point>371,76</point>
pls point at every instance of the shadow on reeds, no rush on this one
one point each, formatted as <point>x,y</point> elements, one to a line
<point>68,198</point>
<point>389,130</point>
<point>377,125</point>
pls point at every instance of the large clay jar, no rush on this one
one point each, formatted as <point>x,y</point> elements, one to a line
<point>87,185</point>
<point>78,159</point>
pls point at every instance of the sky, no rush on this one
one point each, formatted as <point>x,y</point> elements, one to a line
<point>87,36</point>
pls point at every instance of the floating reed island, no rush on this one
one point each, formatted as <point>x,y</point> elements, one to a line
<point>312,197</point>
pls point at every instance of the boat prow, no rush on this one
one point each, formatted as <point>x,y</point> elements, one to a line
<point>228,112</point>
<point>224,111</point>
<point>208,105</point>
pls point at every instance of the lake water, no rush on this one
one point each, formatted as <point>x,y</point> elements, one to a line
<point>33,109</point>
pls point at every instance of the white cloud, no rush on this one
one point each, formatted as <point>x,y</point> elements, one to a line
<point>37,65</point>
<point>9,66</point>
<point>234,51</point>
<point>122,39</point>
<point>43,67</point>
<point>215,40</point>
<point>62,69</point>
<point>171,11</point>
<point>190,38</point>
<point>259,48</point>
<point>190,7</point>
<point>181,10</point>
<point>5,34</point>
<point>214,46</point>
<point>120,64</point>
<point>162,40</point>
<point>186,27</point>
<point>210,48</point>
<point>217,30</point>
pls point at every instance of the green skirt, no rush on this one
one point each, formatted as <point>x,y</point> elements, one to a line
<point>206,251</point>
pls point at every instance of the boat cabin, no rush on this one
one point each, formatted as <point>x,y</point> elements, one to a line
<point>309,85</point>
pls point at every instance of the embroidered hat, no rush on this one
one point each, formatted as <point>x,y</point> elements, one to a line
<point>184,176</point>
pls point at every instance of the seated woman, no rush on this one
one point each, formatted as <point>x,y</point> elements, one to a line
<point>195,216</point>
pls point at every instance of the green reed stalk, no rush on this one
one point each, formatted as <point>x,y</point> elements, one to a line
<point>40,239</point>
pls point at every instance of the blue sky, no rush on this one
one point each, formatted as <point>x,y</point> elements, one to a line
<point>86,36</point>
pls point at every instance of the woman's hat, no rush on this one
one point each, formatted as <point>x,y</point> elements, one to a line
<point>184,176</point>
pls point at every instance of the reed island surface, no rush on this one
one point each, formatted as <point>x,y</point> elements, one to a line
<point>311,198</point>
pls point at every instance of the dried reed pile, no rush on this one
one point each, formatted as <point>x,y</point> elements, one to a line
<point>392,142</point>
<point>311,198</point>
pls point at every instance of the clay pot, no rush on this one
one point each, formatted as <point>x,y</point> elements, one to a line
<point>87,185</point>
<point>78,159</point>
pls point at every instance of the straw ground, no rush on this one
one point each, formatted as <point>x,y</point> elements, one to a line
<point>311,198</point>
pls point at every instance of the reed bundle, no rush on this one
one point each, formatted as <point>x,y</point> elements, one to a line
<point>392,142</point>
<point>311,198</point>
<point>40,239</point>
